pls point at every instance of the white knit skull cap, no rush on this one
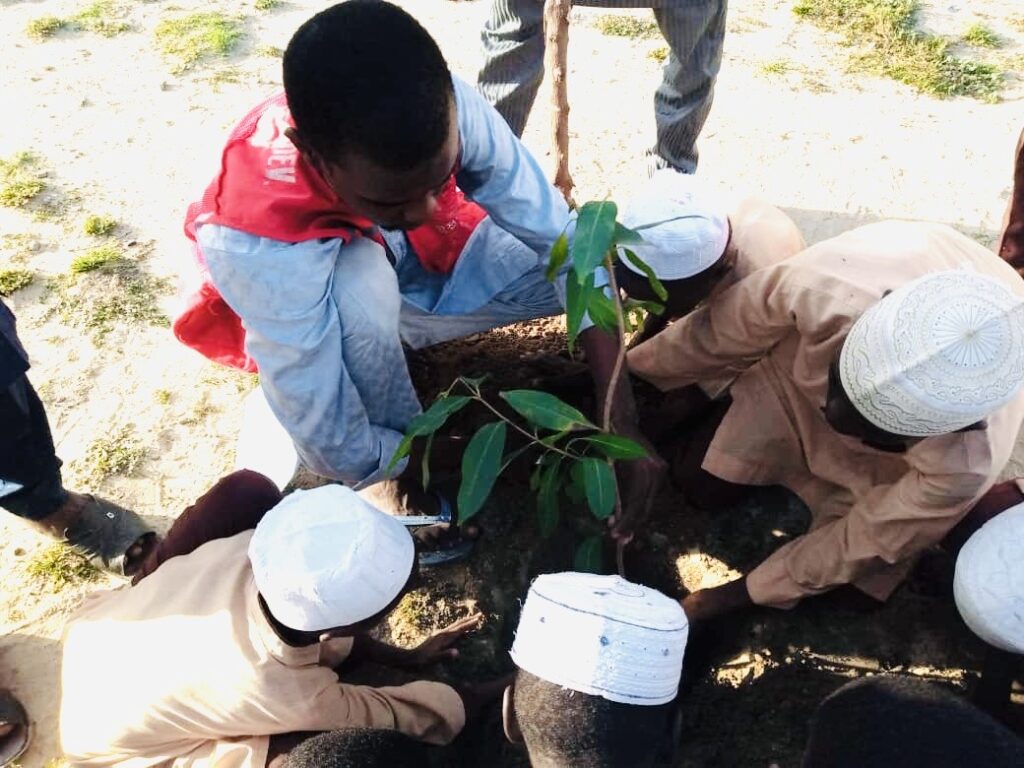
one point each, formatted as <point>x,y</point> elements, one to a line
<point>936,355</point>
<point>326,558</point>
<point>684,226</point>
<point>989,581</point>
<point>603,636</point>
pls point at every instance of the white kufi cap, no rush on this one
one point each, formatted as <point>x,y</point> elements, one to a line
<point>989,581</point>
<point>603,636</point>
<point>684,226</point>
<point>326,558</point>
<point>936,355</point>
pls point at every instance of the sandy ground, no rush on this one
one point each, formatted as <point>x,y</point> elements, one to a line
<point>118,134</point>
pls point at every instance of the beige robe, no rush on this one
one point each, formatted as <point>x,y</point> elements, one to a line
<point>184,670</point>
<point>778,330</point>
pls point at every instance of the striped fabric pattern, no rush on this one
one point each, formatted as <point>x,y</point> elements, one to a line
<point>513,40</point>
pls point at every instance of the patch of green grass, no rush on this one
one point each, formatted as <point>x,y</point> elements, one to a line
<point>58,566</point>
<point>116,454</point>
<point>270,51</point>
<point>162,396</point>
<point>190,39</point>
<point>615,25</point>
<point>777,67</point>
<point>20,180</point>
<point>117,293</point>
<point>44,27</point>
<point>266,5</point>
<point>12,280</point>
<point>99,226</point>
<point>897,49</point>
<point>981,36</point>
<point>658,54</point>
<point>105,255</point>
<point>101,17</point>
<point>225,76</point>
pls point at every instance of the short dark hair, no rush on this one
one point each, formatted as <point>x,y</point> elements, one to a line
<point>359,748</point>
<point>364,76</point>
<point>564,727</point>
<point>904,722</point>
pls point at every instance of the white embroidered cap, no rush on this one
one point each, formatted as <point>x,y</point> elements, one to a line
<point>603,636</point>
<point>325,558</point>
<point>684,226</point>
<point>989,582</point>
<point>936,355</point>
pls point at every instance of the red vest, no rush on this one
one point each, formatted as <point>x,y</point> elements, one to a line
<point>265,188</point>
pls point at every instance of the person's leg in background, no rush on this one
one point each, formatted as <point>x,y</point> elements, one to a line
<point>694,31</point>
<point>513,68</point>
<point>30,479</point>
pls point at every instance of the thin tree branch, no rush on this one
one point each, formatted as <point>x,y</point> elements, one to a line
<point>556,55</point>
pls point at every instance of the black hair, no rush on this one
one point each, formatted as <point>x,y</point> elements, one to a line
<point>562,727</point>
<point>364,76</point>
<point>907,723</point>
<point>359,748</point>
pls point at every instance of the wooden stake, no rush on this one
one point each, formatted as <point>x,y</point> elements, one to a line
<point>556,54</point>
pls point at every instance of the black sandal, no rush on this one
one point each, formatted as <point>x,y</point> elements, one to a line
<point>14,744</point>
<point>104,532</point>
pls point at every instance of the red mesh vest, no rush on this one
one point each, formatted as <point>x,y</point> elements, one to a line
<point>265,188</point>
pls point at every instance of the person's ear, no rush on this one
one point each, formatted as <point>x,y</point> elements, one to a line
<point>304,148</point>
<point>508,716</point>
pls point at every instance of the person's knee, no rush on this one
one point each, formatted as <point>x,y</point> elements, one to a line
<point>249,489</point>
<point>366,291</point>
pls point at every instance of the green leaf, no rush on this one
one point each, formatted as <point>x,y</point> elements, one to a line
<point>627,236</point>
<point>427,423</point>
<point>480,466</point>
<point>543,409</point>
<point>615,446</point>
<point>643,266</point>
<point>576,306</point>
<point>588,555</point>
<point>547,500</point>
<point>559,253</point>
<point>595,229</point>
<point>602,311</point>
<point>598,481</point>
<point>653,307</point>
<point>552,440</point>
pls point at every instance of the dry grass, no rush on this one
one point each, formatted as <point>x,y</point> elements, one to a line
<point>98,226</point>
<point>777,67</point>
<point>894,47</point>
<point>187,40</point>
<point>58,567</point>
<point>981,36</point>
<point>269,51</point>
<point>12,280</point>
<point>44,27</point>
<point>615,25</point>
<point>106,255</point>
<point>102,17</point>
<point>116,454</point>
<point>266,5</point>
<point>20,180</point>
<point>659,54</point>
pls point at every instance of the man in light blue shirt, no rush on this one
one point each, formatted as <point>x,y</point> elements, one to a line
<point>325,319</point>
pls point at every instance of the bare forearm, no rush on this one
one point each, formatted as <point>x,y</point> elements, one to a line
<point>365,648</point>
<point>602,351</point>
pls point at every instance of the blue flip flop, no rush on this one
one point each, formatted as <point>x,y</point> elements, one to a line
<point>445,556</point>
